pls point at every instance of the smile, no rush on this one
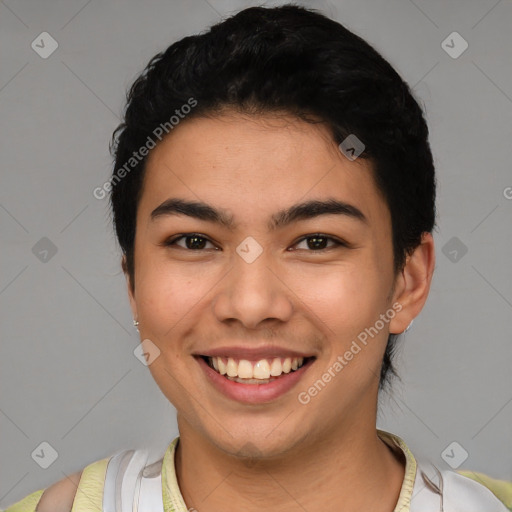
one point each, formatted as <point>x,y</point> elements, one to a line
<point>254,372</point>
<point>254,381</point>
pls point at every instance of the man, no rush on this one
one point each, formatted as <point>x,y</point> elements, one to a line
<point>273,195</point>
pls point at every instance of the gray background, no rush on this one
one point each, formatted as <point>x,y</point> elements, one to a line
<point>68,373</point>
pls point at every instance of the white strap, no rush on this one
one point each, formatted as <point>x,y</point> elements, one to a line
<point>446,491</point>
<point>109,489</point>
<point>130,485</point>
<point>129,482</point>
<point>428,490</point>
<point>150,499</point>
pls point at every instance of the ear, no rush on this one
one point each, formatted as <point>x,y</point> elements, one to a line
<point>130,286</point>
<point>412,285</point>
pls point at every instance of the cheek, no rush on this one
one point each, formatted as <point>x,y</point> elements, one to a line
<point>166,294</point>
<point>345,298</point>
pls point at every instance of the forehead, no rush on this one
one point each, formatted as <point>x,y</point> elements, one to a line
<point>247,165</point>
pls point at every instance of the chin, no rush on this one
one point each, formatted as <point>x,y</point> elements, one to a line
<point>258,444</point>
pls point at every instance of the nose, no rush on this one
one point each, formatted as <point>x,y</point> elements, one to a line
<point>253,294</point>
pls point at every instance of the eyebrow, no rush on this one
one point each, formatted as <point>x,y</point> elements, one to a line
<point>301,211</point>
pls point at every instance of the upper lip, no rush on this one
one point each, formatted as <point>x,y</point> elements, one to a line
<point>253,353</point>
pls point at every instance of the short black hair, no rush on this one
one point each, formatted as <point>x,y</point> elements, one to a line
<point>293,60</point>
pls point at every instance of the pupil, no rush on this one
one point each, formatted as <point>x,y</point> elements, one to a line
<point>194,244</point>
<point>315,242</point>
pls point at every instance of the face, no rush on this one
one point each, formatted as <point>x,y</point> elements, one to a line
<point>260,246</point>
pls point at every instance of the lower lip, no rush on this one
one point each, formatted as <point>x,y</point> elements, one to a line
<point>253,393</point>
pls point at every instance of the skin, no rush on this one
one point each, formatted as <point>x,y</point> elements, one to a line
<point>59,497</point>
<point>281,455</point>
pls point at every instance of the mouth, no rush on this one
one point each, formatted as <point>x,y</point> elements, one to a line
<point>256,372</point>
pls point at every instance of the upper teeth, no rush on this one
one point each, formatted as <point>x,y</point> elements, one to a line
<point>261,369</point>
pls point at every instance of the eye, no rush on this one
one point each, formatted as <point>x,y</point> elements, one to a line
<point>196,242</point>
<point>317,242</point>
<point>192,241</point>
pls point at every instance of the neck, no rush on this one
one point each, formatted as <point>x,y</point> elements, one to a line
<point>350,471</point>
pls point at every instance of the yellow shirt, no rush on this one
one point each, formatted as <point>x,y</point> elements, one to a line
<point>89,495</point>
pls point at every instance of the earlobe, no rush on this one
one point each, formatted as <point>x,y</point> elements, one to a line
<point>413,284</point>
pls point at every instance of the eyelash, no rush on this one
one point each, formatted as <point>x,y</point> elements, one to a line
<point>337,243</point>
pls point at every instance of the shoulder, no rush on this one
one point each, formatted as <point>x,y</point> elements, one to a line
<point>82,490</point>
<point>426,487</point>
<point>465,492</point>
<point>60,496</point>
<point>500,488</point>
<point>56,498</point>
<point>456,492</point>
<point>68,492</point>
